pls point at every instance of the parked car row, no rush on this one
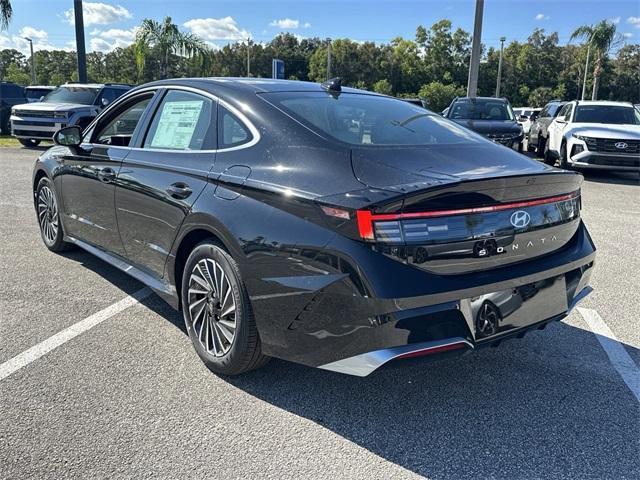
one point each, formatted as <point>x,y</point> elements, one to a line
<point>69,104</point>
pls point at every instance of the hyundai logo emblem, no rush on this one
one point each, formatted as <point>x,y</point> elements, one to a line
<point>520,219</point>
<point>621,145</point>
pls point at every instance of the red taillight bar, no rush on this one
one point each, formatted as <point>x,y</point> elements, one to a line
<point>366,218</point>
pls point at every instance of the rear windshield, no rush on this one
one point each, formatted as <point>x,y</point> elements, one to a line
<point>481,109</point>
<point>73,94</point>
<point>361,119</point>
<point>607,114</point>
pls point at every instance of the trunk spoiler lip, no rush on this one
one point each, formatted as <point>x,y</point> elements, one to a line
<point>467,211</point>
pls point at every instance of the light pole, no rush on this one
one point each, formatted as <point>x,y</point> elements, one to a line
<point>328,58</point>
<point>474,64</point>
<point>248,57</point>
<point>33,61</point>
<point>502,39</point>
<point>82,56</point>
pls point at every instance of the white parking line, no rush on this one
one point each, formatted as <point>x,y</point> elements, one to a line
<point>617,354</point>
<point>25,358</point>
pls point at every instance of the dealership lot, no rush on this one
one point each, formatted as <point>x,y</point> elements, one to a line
<point>130,398</point>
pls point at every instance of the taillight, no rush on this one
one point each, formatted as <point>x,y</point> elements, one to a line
<point>365,224</point>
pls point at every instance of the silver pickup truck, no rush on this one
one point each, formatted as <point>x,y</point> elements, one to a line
<point>69,104</point>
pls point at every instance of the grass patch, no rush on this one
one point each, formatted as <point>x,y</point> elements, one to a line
<point>9,141</point>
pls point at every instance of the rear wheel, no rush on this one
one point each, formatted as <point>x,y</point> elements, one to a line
<point>542,144</point>
<point>217,312</point>
<point>49,217</point>
<point>564,163</point>
<point>549,159</point>
<point>29,142</point>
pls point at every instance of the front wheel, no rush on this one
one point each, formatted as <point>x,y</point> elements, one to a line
<point>49,217</point>
<point>29,142</point>
<point>540,147</point>
<point>564,162</point>
<point>217,312</point>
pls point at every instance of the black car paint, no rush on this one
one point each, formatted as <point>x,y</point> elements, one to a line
<point>319,294</point>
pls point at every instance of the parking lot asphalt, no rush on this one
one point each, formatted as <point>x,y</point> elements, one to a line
<point>130,398</point>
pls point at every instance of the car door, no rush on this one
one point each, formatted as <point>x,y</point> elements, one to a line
<point>89,172</point>
<point>534,131</point>
<point>164,175</point>
<point>556,127</point>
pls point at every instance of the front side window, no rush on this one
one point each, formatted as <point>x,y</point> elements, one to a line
<point>231,131</point>
<point>78,94</point>
<point>119,130</point>
<point>481,109</point>
<point>555,110</point>
<point>361,119</point>
<point>611,114</point>
<point>183,121</point>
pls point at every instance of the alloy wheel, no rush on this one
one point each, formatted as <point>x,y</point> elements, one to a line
<point>48,214</point>
<point>212,307</point>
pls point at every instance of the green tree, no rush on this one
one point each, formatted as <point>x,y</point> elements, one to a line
<point>600,38</point>
<point>382,86</point>
<point>439,96</point>
<point>6,12</point>
<point>17,75</point>
<point>166,39</point>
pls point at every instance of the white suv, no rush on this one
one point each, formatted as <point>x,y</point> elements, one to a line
<point>595,134</point>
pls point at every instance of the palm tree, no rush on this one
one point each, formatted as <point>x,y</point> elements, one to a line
<point>601,38</point>
<point>5,14</point>
<point>167,39</point>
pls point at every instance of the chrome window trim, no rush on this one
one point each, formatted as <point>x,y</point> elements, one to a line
<point>246,122</point>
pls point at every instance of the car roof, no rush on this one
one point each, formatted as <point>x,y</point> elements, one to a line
<point>41,86</point>
<point>482,98</point>
<point>606,103</point>
<point>256,85</point>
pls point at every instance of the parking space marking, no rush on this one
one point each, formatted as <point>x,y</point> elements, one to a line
<point>618,356</point>
<point>32,354</point>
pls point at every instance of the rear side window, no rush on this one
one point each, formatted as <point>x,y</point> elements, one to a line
<point>554,110</point>
<point>361,119</point>
<point>231,131</point>
<point>183,121</point>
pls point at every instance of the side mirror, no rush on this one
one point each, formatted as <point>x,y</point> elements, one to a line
<point>523,118</point>
<point>41,98</point>
<point>562,119</point>
<point>68,136</point>
<point>104,102</point>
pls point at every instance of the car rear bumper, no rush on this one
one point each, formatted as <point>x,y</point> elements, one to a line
<point>363,312</point>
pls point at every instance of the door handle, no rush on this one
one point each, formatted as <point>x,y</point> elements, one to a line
<point>106,175</point>
<point>179,190</point>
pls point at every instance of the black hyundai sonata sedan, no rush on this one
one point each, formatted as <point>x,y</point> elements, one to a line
<point>324,225</point>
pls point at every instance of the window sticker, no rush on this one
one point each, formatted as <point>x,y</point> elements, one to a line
<point>177,123</point>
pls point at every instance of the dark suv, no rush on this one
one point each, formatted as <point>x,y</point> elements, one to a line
<point>10,95</point>
<point>69,104</point>
<point>490,117</point>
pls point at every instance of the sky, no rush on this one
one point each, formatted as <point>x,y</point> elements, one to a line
<point>110,24</point>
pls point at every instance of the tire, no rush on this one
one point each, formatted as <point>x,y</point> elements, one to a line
<point>29,142</point>
<point>564,163</point>
<point>48,216</point>
<point>530,148</point>
<point>227,343</point>
<point>547,157</point>
<point>542,144</point>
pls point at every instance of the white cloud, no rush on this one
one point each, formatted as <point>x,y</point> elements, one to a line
<point>108,40</point>
<point>635,21</point>
<point>615,20</point>
<point>627,35</point>
<point>99,14</point>
<point>542,16</point>
<point>40,40</point>
<point>289,24</point>
<point>224,28</point>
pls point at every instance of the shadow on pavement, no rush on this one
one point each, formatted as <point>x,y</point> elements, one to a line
<point>620,178</point>
<point>524,410</point>
<point>547,406</point>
